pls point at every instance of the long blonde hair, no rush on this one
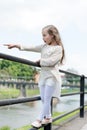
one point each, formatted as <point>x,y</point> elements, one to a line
<point>52,30</point>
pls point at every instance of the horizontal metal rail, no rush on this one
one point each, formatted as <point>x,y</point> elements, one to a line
<point>65,114</point>
<point>16,59</point>
<point>17,101</point>
<point>30,99</point>
<point>27,62</point>
<point>70,94</point>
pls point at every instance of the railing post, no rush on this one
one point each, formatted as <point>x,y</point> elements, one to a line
<point>82,96</point>
<point>23,90</point>
<point>49,126</point>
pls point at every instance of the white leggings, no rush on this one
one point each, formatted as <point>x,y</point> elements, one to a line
<point>46,93</point>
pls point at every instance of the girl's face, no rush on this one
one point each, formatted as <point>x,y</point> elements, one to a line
<point>47,38</point>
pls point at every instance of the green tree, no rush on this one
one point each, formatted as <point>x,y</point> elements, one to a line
<point>72,79</point>
<point>11,68</point>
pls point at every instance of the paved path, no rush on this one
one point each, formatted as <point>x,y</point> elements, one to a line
<point>76,123</point>
<point>84,127</point>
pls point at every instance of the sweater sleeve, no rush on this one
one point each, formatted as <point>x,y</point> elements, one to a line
<point>31,48</point>
<point>53,59</point>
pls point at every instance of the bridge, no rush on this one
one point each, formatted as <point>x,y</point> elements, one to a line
<point>49,126</point>
<point>19,85</point>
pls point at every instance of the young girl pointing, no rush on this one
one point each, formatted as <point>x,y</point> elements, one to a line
<point>52,55</point>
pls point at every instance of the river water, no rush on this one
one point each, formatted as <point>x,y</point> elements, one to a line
<point>20,115</point>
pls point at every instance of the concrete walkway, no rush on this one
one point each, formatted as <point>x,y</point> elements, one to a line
<point>76,123</point>
<point>84,127</point>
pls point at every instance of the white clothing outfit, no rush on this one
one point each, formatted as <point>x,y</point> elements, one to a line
<point>50,57</point>
<point>49,81</point>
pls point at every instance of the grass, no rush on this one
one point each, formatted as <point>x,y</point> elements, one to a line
<point>70,90</point>
<point>5,128</point>
<point>65,118</point>
<point>9,93</point>
<point>24,128</point>
<point>32,92</point>
<point>6,93</point>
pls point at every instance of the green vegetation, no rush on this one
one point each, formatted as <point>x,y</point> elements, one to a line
<point>72,79</point>
<point>65,118</point>
<point>32,92</point>
<point>70,90</point>
<point>5,128</point>
<point>6,93</point>
<point>9,93</point>
<point>14,69</point>
<point>14,93</point>
<point>24,128</point>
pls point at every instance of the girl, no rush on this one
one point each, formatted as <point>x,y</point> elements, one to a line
<point>52,55</point>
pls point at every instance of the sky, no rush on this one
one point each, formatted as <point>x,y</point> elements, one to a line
<point>21,22</point>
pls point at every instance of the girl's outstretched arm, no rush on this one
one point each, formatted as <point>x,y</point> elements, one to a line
<point>36,48</point>
<point>10,46</point>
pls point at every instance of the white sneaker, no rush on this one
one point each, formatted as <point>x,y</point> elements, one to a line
<point>36,124</point>
<point>46,121</point>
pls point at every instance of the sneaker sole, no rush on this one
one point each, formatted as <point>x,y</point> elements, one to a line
<point>36,127</point>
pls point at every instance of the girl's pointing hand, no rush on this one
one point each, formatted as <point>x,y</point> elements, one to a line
<point>10,46</point>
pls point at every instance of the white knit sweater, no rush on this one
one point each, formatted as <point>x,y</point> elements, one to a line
<point>50,57</point>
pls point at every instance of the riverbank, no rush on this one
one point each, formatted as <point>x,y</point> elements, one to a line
<point>54,124</point>
<point>57,123</point>
<point>69,122</point>
<point>7,92</point>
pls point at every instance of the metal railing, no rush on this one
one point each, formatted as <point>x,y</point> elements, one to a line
<point>23,100</point>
